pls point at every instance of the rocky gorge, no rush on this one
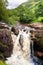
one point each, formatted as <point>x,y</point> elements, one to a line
<point>21,45</point>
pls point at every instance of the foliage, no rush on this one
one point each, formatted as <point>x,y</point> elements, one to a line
<point>2,62</point>
<point>33,12</point>
<point>28,12</point>
<point>3,11</point>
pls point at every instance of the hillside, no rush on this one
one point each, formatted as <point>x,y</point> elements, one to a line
<point>31,11</point>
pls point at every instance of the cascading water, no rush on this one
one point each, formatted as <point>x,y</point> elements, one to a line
<point>21,51</point>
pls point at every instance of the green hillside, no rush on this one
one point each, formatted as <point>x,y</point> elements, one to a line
<point>28,12</point>
<point>31,11</point>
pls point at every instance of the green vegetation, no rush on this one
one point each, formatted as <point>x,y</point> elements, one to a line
<point>28,12</point>
<point>2,62</point>
<point>3,11</point>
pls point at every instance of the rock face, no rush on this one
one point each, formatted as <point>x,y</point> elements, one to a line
<point>36,25</point>
<point>15,30</point>
<point>6,44</point>
<point>37,38</point>
<point>38,45</point>
<point>3,26</point>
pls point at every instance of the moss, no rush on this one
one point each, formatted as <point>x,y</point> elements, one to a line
<point>2,62</point>
<point>1,44</point>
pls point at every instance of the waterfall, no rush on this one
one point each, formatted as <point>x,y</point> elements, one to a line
<point>21,49</point>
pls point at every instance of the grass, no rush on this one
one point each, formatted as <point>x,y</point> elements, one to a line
<point>2,62</point>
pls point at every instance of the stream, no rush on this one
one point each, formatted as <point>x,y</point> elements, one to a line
<point>21,50</point>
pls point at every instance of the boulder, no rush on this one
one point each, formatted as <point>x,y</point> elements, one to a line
<point>15,30</point>
<point>6,44</point>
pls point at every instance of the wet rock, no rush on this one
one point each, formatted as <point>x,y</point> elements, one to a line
<point>15,30</point>
<point>6,44</point>
<point>21,41</point>
<point>3,26</point>
<point>36,25</point>
<point>37,38</point>
<point>40,54</point>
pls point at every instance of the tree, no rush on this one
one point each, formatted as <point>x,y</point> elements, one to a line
<point>3,11</point>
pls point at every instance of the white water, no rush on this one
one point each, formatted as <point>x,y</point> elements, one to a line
<point>21,56</point>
